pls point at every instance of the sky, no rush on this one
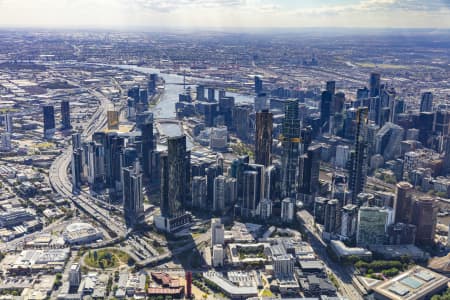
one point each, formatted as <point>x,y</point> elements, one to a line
<point>222,14</point>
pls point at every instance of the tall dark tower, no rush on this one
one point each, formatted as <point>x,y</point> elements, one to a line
<point>375,85</point>
<point>331,87</point>
<point>425,218</point>
<point>290,148</point>
<point>65,114</point>
<point>263,138</point>
<point>309,169</point>
<point>426,103</point>
<point>325,111</point>
<point>133,199</point>
<point>258,85</point>
<point>358,163</point>
<point>146,127</point>
<point>49,120</point>
<point>175,181</point>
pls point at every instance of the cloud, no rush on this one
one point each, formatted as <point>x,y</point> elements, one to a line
<point>173,5</point>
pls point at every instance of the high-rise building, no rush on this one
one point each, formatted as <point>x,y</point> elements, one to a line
<point>283,265</point>
<point>226,105</point>
<point>75,275</point>
<point>211,95</point>
<point>224,193</point>
<point>387,141</point>
<point>241,119</point>
<point>425,126</point>
<point>359,164</point>
<point>331,221</point>
<point>403,203</point>
<point>265,209</point>
<point>372,225</point>
<point>375,85</point>
<point>331,87</point>
<point>258,85</point>
<point>212,172</point>
<point>77,168</point>
<point>96,164</point>
<point>308,171</point>
<point>441,125</point>
<point>349,216</point>
<point>272,183</point>
<point>263,138</point>
<point>65,114</point>
<point>325,111</point>
<point>76,141</point>
<point>250,198</point>
<point>287,210</point>
<point>49,120</point>
<point>6,141</point>
<point>425,218</point>
<point>261,102</point>
<point>199,192</point>
<point>133,198</point>
<point>113,146</point>
<point>290,148</point>
<point>175,184</point>
<point>426,103</point>
<point>8,123</point>
<point>146,128</point>
<point>217,232</point>
<point>200,89</point>
<point>152,83</point>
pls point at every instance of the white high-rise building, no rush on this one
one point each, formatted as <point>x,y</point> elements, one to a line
<point>287,210</point>
<point>6,141</point>
<point>217,256</point>
<point>217,232</point>
<point>265,209</point>
<point>75,275</point>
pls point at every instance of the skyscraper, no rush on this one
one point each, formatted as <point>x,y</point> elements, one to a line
<point>375,84</point>
<point>146,128</point>
<point>331,87</point>
<point>200,92</point>
<point>308,171</point>
<point>263,138</point>
<point>224,193</point>
<point>426,103</point>
<point>250,186</point>
<point>112,146</point>
<point>133,199</point>
<point>425,218</point>
<point>199,192</point>
<point>290,148</point>
<point>325,111</point>
<point>241,121</point>
<point>65,114</point>
<point>211,95</point>
<point>261,102</point>
<point>77,168</point>
<point>49,120</point>
<point>8,123</point>
<point>359,164</point>
<point>258,85</point>
<point>175,184</point>
<point>403,203</point>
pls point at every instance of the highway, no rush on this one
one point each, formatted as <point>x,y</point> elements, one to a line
<point>340,273</point>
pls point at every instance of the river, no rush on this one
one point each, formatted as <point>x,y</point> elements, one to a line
<point>166,105</point>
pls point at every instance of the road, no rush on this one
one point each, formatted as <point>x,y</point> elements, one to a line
<point>340,273</point>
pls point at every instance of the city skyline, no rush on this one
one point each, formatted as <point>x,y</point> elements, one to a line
<point>224,14</point>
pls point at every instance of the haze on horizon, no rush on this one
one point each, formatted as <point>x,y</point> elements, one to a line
<point>222,14</point>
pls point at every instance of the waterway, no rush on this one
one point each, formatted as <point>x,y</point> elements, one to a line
<point>173,87</point>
